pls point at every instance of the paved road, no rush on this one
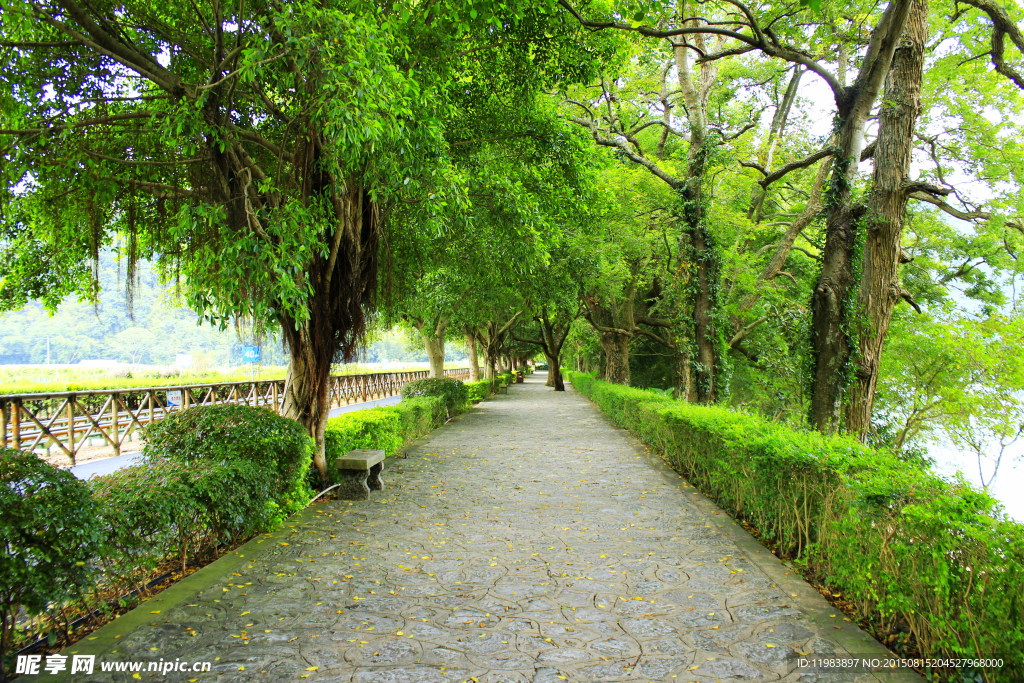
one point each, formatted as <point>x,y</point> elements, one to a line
<point>108,465</point>
<point>528,541</point>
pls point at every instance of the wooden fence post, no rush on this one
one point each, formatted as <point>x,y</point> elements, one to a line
<point>113,424</point>
<point>71,428</point>
<point>16,425</point>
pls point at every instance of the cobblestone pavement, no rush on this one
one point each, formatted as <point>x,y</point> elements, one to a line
<point>528,541</point>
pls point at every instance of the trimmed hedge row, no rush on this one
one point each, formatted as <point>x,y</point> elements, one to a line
<point>386,428</point>
<point>478,391</point>
<point>453,391</point>
<point>909,548</point>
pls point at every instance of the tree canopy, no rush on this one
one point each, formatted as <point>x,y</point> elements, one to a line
<point>810,212</point>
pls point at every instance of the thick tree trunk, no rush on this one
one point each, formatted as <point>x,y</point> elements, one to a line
<point>830,338</point>
<point>616,354</point>
<point>551,370</point>
<point>555,373</point>
<point>703,249</point>
<point>703,315</point>
<point>880,285</point>
<point>474,361</point>
<point>347,280</point>
<point>435,352</point>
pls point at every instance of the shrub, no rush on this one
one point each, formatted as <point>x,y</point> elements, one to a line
<point>241,437</point>
<point>49,534</point>
<point>503,378</point>
<point>161,509</point>
<point>209,474</point>
<point>453,391</point>
<point>903,544</point>
<point>478,391</point>
<point>387,428</point>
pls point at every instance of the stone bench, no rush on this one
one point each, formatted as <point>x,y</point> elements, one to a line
<point>359,473</point>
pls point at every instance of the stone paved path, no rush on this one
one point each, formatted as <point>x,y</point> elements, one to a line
<point>528,541</point>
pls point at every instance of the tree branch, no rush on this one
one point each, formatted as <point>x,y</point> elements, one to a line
<point>1003,26</point>
<point>770,178</point>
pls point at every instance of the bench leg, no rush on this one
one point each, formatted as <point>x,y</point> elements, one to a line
<point>374,481</point>
<point>352,485</point>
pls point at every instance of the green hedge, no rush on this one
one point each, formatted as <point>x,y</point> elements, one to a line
<point>208,475</point>
<point>906,546</point>
<point>479,390</point>
<point>453,391</point>
<point>386,428</point>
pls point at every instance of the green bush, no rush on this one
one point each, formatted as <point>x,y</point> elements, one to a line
<point>209,474</point>
<point>903,544</point>
<point>386,428</point>
<point>161,510</point>
<point>241,437</point>
<point>49,535</point>
<point>503,378</point>
<point>479,390</point>
<point>453,391</point>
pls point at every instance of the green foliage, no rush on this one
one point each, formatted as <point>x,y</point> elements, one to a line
<point>209,474</point>
<point>386,428</point>
<point>238,436</point>
<point>164,510</point>
<point>479,390</point>
<point>903,544</point>
<point>453,392</point>
<point>49,535</point>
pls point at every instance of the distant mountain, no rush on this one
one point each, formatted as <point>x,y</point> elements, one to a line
<point>159,332</point>
<point>79,331</point>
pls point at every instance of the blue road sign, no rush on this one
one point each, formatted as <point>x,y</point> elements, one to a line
<point>251,354</point>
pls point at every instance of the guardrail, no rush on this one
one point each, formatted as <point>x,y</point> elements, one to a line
<point>69,420</point>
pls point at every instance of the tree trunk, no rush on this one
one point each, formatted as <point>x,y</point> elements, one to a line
<point>347,280</point>
<point>704,251</point>
<point>474,361</point>
<point>830,339</point>
<point>616,354</point>
<point>551,370</point>
<point>880,285</point>
<point>307,387</point>
<point>703,315</point>
<point>435,352</point>
<point>555,373</point>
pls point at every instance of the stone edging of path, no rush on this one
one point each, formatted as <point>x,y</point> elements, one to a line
<point>182,591</point>
<point>848,635</point>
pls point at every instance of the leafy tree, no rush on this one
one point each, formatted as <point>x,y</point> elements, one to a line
<point>246,147</point>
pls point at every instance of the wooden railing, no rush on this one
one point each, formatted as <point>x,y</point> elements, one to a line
<point>71,419</point>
